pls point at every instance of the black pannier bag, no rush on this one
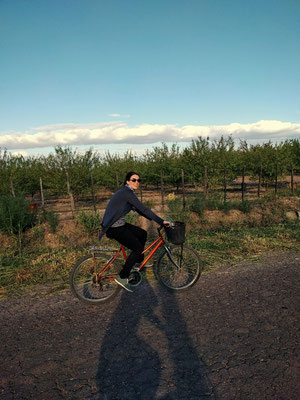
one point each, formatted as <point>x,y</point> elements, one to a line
<point>176,233</point>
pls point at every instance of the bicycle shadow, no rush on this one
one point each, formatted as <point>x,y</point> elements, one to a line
<point>147,353</point>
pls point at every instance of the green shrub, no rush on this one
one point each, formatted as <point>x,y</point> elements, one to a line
<point>53,220</point>
<point>39,232</point>
<point>176,211</point>
<point>227,206</point>
<point>15,216</point>
<point>217,204</point>
<point>149,203</point>
<point>174,205</point>
<point>197,206</point>
<point>90,221</point>
<point>214,204</point>
<point>272,211</point>
<point>245,206</point>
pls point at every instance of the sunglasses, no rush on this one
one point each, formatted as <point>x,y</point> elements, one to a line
<point>136,180</point>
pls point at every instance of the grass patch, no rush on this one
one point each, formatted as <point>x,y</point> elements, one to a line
<point>39,265</point>
<point>245,206</point>
<point>177,212</point>
<point>90,222</point>
<point>45,266</point>
<point>198,204</point>
<point>52,218</point>
<point>231,244</point>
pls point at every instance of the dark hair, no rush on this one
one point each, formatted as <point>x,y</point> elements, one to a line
<point>129,175</point>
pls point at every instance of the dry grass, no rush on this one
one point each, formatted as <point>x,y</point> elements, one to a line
<point>219,237</point>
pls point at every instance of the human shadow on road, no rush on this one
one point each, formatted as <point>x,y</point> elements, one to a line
<point>145,356</point>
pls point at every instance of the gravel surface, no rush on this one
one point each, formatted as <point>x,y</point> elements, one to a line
<point>232,336</point>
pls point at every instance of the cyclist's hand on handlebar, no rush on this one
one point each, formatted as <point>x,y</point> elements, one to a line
<point>167,224</point>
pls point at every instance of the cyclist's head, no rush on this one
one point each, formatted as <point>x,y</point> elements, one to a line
<point>129,175</point>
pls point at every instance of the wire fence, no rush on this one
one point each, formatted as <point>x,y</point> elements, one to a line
<point>95,199</point>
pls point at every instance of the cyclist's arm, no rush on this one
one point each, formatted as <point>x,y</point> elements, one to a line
<point>143,210</point>
<point>166,223</point>
<point>142,214</point>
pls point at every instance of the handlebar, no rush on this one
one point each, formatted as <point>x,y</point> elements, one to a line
<point>160,228</point>
<point>163,226</point>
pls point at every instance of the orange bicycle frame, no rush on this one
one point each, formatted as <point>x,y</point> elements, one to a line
<point>156,244</point>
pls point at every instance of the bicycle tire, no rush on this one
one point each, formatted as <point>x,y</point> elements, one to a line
<point>84,282</point>
<point>178,279</point>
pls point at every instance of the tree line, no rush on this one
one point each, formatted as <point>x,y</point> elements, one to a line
<point>205,162</point>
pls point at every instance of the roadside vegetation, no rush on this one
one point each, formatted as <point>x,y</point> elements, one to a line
<point>205,163</point>
<point>202,184</point>
<point>38,250</point>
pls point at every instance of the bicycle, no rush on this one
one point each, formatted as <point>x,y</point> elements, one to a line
<point>92,278</point>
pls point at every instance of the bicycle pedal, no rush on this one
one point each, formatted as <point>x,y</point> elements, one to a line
<point>135,278</point>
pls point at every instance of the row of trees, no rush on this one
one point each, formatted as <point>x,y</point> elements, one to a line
<point>204,162</point>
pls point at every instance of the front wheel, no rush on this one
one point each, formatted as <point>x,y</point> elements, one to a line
<point>86,282</point>
<point>179,269</point>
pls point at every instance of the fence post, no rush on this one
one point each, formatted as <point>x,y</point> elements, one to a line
<point>243,184</point>
<point>225,185</point>
<point>259,181</point>
<point>93,192</point>
<point>70,194</point>
<point>183,188</point>
<point>42,193</point>
<point>162,189</point>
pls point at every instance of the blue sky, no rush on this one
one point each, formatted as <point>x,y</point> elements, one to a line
<point>119,74</point>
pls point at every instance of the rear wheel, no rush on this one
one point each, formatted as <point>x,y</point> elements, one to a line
<point>179,270</point>
<point>86,283</point>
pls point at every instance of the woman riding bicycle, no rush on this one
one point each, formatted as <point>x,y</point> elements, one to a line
<point>131,236</point>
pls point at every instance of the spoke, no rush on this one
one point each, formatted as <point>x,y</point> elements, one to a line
<point>87,282</point>
<point>184,276</point>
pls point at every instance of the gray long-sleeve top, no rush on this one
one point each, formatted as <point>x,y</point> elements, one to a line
<point>121,203</point>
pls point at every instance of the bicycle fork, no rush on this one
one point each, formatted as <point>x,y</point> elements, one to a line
<point>168,250</point>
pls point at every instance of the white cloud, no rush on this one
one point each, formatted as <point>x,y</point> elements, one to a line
<point>119,115</point>
<point>119,132</point>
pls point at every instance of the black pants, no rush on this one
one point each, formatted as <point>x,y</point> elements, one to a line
<point>132,237</point>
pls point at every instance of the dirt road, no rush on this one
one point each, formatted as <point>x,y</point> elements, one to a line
<point>232,336</point>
